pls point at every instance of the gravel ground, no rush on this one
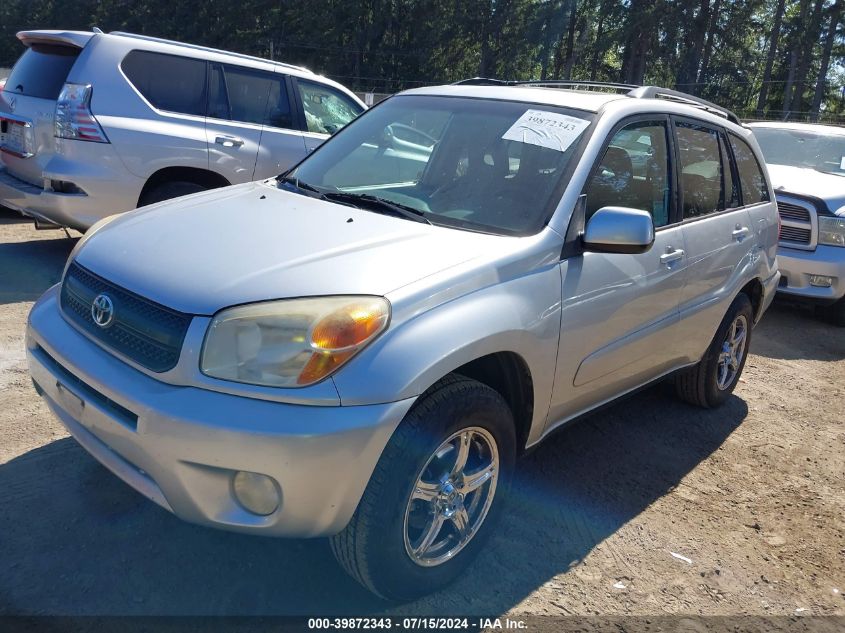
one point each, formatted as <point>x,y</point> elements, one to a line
<point>649,508</point>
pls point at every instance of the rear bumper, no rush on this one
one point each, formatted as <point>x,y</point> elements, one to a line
<point>180,446</point>
<point>108,188</point>
<point>796,267</point>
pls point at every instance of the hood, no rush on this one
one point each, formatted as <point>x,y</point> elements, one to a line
<point>808,182</point>
<point>254,242</point>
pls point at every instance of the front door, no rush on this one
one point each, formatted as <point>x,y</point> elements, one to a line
<point>619,312</point>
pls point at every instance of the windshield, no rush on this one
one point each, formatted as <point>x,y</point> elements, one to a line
<point>802,148</point>
<point>478,164</point>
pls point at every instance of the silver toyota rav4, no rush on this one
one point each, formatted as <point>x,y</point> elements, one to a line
<point>363,346</point>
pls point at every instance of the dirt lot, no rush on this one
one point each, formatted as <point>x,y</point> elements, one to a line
<point>752,496</point>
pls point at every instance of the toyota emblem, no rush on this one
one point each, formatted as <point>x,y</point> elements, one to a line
<point>13,102</point>
<point>102,310</point>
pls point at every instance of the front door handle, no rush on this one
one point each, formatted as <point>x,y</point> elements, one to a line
<point>671,256</point>
<point>229,141</point>
<point>741,232</point>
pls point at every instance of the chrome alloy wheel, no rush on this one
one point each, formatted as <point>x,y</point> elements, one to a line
<point>732,352</point>
<point>451,497</point>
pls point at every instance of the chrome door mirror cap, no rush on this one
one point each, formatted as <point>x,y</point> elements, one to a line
<point>619,230</point>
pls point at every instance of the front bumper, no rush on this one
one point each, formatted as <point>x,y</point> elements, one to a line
<point>181,445</point>
<point>796,266</point>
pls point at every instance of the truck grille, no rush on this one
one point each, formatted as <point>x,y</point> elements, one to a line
<point>793,234</point>
<point>793,212</point>
<point>148,333</point>
<point>798,224</point>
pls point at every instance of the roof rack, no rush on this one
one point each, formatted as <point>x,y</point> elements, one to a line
<point>207,49</point>
<point>629,90</point>
<point>656,92</point>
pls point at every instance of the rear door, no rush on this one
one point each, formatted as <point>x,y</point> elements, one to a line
<point>237,104</point>
<point>28,106</point>
<point>717,230</point>
<point>324,110</point>
<point>282,142</point>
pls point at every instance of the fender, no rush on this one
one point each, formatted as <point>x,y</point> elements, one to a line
<point>521,315</point>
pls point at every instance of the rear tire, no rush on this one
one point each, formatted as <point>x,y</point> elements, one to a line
<point>834,313</point>
<point>709,383</point>
<point>384,547</point>
<point>168,191</point>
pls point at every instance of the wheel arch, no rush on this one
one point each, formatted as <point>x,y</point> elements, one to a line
<point>508,374</point>
<point>202,177</point>
<point>754,291</point>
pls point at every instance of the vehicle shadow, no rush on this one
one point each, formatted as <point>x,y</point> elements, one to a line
<point>10,216</point>
<point>28,268</point>
<point>791,330</point>
<point>75,540</point>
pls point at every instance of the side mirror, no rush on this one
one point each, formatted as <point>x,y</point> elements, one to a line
<point>619,230</point>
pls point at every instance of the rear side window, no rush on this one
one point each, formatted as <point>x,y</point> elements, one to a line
<point>326,109</point>
<point>168,82</point>
<point>751,178</point>
<point>42,70</point>
<point>249,96</point>
<point>703,170</point>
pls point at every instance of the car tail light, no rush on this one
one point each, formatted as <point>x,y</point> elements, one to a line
<point>74,119</point>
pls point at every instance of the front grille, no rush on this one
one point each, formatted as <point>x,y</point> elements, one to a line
<point>144,331</point>
<point>795,234</point>
<point>793,212</point>
<point>797,223</point>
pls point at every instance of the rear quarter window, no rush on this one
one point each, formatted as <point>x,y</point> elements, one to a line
<point>168,82</point>
<point>751,178</point>
<point>42,70</point>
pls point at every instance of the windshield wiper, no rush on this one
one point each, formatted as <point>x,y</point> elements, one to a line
<point>379,205</point>
<point>304,187</point>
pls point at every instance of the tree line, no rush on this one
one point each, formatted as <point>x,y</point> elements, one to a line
<point>782,59</point>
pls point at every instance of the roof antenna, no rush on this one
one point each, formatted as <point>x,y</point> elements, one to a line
<point>97,30</point>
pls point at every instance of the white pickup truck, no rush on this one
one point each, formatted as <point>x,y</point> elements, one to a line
<point>807,165</point>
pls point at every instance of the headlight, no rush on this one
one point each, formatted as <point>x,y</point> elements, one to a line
<point>291,343</point>
<point>831,231</point>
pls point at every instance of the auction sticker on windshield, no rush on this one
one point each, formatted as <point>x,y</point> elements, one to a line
<point>546,129</point>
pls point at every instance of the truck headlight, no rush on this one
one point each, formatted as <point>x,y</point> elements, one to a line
<point>291,343</point>
<point>831,231</point>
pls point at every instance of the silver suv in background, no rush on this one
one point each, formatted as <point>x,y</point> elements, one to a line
<point>95,124</point>
<point>454,276</point>
<point>807,166</point>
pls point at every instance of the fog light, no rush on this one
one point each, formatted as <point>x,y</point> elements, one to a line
<point>822,281</point>
<point>256,492</point>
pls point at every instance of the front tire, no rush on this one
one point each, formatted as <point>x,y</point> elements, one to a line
<point>435,494</point>
<point>709,383</point>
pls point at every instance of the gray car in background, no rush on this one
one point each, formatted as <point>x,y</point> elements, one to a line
<point>94,124</point>
<point>363,346</point>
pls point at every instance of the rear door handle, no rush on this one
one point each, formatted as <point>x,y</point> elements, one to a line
<point>741,232</point>
<point>671,256</point>
<point>229,141</point>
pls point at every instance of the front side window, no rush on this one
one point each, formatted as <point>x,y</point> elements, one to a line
<point>751,178</point>
<point>634,172</point>
<point>478,164</point>
<point>704,171</point>
<point>326,109</point>
<point>168,82</point>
